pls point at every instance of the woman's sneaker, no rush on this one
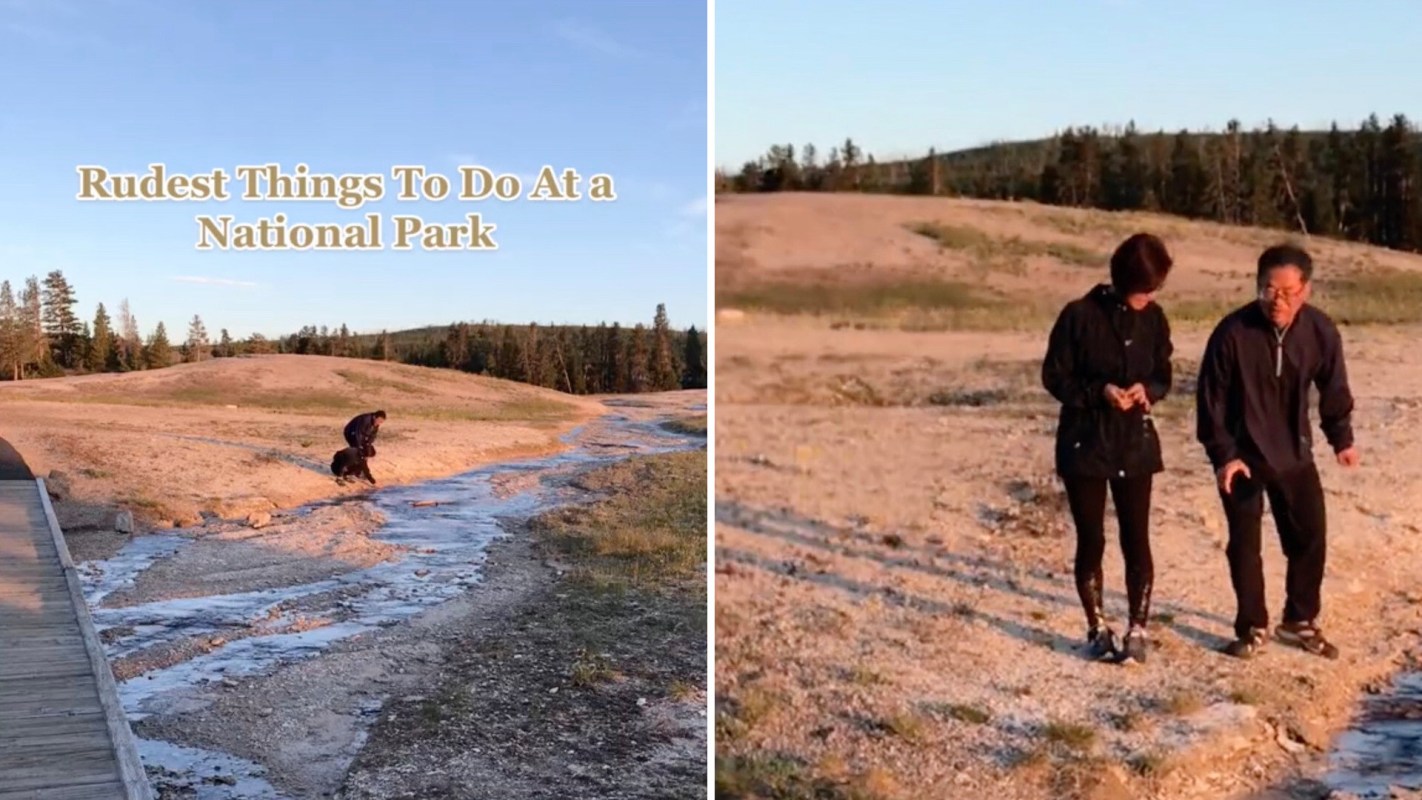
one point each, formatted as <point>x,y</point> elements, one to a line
<point>1247,646</point>
<point>1102,644</point>
<point>1307,637</point>
<point>1136,645</point>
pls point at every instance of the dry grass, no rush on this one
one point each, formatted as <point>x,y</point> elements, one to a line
<point>872,299</point>
<point>695,425</point>
<point>373,383</point>
<point>1005,253</point>
<point>775,777</point>
<point>651,530</point>
<point>1071,735</point>
<point>1183,703</point>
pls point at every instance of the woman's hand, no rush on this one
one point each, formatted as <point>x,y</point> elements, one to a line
<point>1138,395</point>
<point>1118,397</point>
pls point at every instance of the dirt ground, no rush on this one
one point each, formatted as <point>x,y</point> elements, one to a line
<point>895,613</point>
<point>232,457</point>
<point>554,685</point>
<point>479,696</point>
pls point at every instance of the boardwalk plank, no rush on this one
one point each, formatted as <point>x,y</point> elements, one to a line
<point>63,735</point>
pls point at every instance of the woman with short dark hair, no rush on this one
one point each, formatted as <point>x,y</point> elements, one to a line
<point>1108,363</point>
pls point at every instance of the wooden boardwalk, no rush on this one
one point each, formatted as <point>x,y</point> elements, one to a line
<point>63,734</point>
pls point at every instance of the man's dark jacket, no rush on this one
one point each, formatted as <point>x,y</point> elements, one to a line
<point>1253,394</point>
<point>361,431</point>
<point>1099,340</point>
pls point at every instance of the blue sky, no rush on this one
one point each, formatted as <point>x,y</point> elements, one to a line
<point>614,86</point>
<point>900,76</point>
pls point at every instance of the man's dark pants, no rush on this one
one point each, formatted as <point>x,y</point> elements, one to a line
<point>1296,503</point>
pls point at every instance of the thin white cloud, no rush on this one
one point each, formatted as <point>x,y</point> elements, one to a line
<point>691,115</point>
<point>589,38</point>
<point>696,208</point>
<point>209,281</point>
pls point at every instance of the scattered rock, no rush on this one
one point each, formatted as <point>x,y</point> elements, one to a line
<point>57,484</point>
<point>259,519</point>
<point>123,522</point>
<point>1282,738</point>
<point>1308,731</point>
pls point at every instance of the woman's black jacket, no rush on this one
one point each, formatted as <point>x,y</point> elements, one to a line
<point>1099,340</point>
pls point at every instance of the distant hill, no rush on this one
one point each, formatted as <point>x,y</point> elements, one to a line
<point>1363,184</point>
<point>43,336</point>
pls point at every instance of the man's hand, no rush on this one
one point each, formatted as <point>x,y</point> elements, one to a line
<point>1118,397</point>
<point>1227,473</point>
<point>1350,457</point>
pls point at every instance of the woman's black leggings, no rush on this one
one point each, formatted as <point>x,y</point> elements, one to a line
<point>1087,497</point>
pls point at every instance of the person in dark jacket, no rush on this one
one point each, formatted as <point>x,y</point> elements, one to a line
<point>1108,364</point>
<point>1252,418</point>
<point>361,431</point>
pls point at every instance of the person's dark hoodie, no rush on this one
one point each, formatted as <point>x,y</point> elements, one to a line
<point>1252,397</point>
<point>1099,340</point>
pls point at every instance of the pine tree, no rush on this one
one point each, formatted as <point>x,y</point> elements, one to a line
<point>159,353</point>
<point>510,362</point>
<point>101,353</point>
<point>638,374</point>
<point>131,341</point>
<point>224,345</point>
<point>662,368</point>
<point>12,334</point>
<point>694,376</point>
<point>35,344</point>
<point>615,378</point>
<point>197,343</point>
<point>58,318</point>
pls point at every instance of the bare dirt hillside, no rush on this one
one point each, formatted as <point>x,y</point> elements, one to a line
<point>230,437</point>
<point>934,263</point>
<point>895,613</point>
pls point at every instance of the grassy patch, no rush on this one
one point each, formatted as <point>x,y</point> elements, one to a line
<point>778,777</point>
<point>1149,765</point>
<point>863,676</point>
<point>1182,703</point>
<point>963,713</point>
<point>695,425</point>
<point>738,714</point>
<point>1374,297</point>
<point>313,402</point>
<point>905,725</point>
<point>1252,695</point>
<point>871,299</point>
<point>523,410</point>
<point>650,532</point>
<point>591,669</point>
<point>1009,253</point>
<point>316,403</point>
<point>1071,735</point>
<point>373,383</point>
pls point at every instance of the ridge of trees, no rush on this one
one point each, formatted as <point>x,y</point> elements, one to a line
<point>1361,185</point>
<point>42,336</point>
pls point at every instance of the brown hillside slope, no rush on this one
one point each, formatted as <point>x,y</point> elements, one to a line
<point>895,608</point>
<point>235,435</point>
<point>1031,256</point>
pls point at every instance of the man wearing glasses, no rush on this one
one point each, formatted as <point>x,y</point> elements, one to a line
<point>1252,418</point>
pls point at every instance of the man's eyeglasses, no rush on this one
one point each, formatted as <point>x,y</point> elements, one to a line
<point>1270,293</point>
